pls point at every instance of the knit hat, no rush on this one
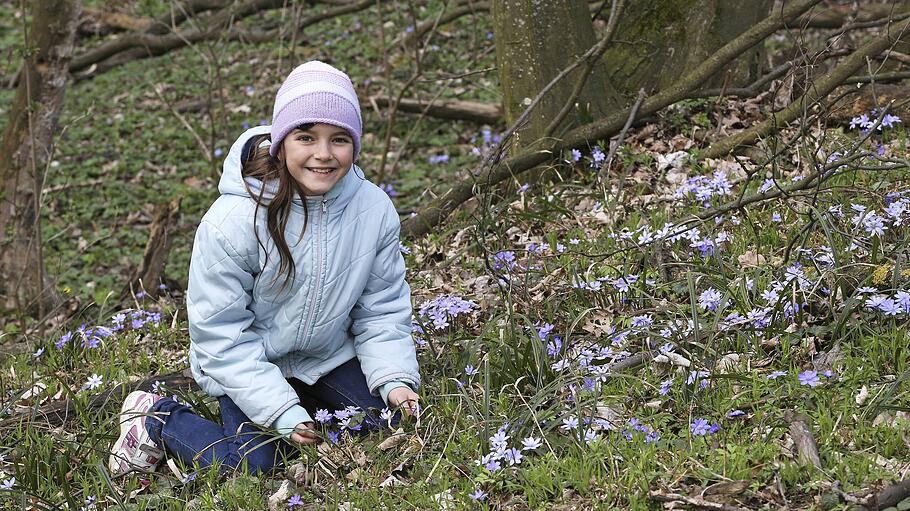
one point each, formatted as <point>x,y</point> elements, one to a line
<point>316,92</point>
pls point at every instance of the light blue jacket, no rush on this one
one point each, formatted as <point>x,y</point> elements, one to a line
<point>349,297</point>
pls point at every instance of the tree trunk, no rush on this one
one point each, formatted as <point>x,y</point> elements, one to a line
<point>534,42</point>
<point>658,41</point>
<point>26,147</point>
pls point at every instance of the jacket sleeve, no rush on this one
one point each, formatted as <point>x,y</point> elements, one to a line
<point>226,349</point>
<point>381,318</point>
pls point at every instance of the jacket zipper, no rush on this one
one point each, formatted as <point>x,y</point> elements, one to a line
<point>308,328</point>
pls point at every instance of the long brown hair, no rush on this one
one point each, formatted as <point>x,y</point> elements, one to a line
<point>263,166</point>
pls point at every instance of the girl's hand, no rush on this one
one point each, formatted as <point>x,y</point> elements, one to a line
<point>405,399</point>
<point>305,433</point>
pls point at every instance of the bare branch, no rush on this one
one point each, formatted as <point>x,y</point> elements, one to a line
<point>814,93</point>
<point>439,209</point>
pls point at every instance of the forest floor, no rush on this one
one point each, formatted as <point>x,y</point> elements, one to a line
<point>620,345</point>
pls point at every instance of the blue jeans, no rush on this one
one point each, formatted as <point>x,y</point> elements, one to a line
<point>193,439</point>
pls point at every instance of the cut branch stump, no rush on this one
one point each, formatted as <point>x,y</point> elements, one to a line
<point>156,250</point>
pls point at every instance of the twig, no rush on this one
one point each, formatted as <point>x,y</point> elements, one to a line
<point>896,76</point>
<point>692,501</point>
<point>752,90</point>
<point>205,151</point>
<point>608,161</point>
<point>76,184</point>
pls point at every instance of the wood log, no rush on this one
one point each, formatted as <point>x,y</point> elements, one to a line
<point>102,21</point>
<point>455,109</point>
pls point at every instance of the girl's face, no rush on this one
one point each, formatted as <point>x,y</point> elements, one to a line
<point>317,157</point>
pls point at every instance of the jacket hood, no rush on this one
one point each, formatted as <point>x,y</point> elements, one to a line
<point>232,180</point>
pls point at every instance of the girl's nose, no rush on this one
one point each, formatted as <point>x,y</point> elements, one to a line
<point>323,152</point>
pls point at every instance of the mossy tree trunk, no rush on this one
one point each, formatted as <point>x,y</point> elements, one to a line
<point>535,40</point>
<point>26,149</point>
<point>659,40</point>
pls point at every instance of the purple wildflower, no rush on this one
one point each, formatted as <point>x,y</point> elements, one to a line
<point>700,427</point>
<point>809,378</point>
<point>709,299</point>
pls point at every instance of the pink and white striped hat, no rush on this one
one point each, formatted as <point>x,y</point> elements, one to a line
<point>316,92</point>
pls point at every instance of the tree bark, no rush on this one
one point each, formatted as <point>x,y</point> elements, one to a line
<point>534,42</point>
<point>658,41</point>
<point>27,146</point>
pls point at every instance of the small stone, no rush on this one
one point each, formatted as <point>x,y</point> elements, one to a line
<point>278,500</point>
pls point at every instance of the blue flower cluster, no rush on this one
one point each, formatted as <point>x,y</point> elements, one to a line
<point>91,337</point>
<point>501,454</point>
<point>443,308</point>
<point>349,419</point>
<point>488,141</point>
<point>865,122</point>
<point>705,189</point>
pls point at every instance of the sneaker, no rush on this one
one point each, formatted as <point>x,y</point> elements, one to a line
<point>134,450</point>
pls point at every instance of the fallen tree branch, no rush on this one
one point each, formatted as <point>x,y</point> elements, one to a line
<point>101,21</point>
<point>896,76</point>
<point>817,91</point>
<point>834,18</point>
<point>158,44</point>
<point>889,496</point>
<point>143,45</point>
<point>434,213</point>
<point>60,412</point>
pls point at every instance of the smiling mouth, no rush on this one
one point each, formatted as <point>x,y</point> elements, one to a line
<point>321,170</point>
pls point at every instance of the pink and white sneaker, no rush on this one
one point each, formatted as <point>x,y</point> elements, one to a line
<point>134,450</point>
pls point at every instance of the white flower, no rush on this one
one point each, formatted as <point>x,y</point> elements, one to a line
<point>531,443</point>
<point>94,381</point>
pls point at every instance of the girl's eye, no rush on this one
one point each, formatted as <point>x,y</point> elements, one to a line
<point>342,140</point>
<point>304,138</point>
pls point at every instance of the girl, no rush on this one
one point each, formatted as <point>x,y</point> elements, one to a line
<point>296,300</point>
